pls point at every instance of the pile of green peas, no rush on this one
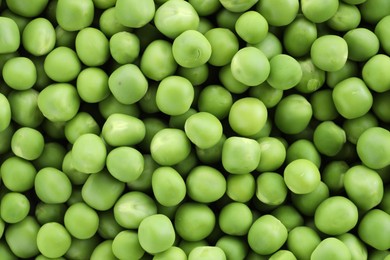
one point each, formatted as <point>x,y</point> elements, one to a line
<point>195,129</point>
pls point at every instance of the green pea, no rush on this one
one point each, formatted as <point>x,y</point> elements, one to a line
<point>5,139</point>
<point>240,155</point>
<point>82,248</point>
<point>194,221</point>
<point>268,95</point>
<point>168,186</point>
<point>381,31</point>
<point>373,11</point>
<point>270,45</point>
<point>104,4</point>
<point>125,172</point>
<point>197,76</point>
<point>207,253</point>
<point>312,78</point>
<point>19,73</point>
<point>333,175</point>
<point>280,12</point>
<point>152,126</point>
<point>5,252</point>
<point>74,15</point>
<point>274,235</point>
<point>52,185</point>
<point>101,190</point>
<point>81,221</point>
<point>238,6</point>
<point>302,241</point>
<point>17,174</point>
<point>111,105</point>
<point>29,9</point>
<point>175,17</point>
<point>375,66</point>
<point>250,66</point>
<point>252,27</point>
<point>302,176</point>
<point>273,154</point>
<point>293,114</point>
<point>103,251</point>
<point>224,45</point>
<point>22,238</point>
<point>270,188</point>
<point>373,147</point>
<point>95,54</point>
<point>362,44</point>
<point>148,102</point>
<point>323,106</point>
<point>350,69</point>
<point>27,143</point>
<point>329,138</point>
<point>134,14</point>
<point>319,12</point>
<point>179,121</point>
<point>62,64</point>
<point>235,218</point>
<point>374,229</point>
<point>329,52</point>
<point>108,22</point>
<point>144,182</point>
<point>356,126</point>
<point>241,188</point>
<point>126,245</point>
<point>5,114</point>
<point>127,84</point>
<point>75,176</point>
<point>285,72</point>
<point>308,203</point>
<point>380,106</point>
<point>81,123</point>
<point>49,212</point>
<point>53,240</point>
<point>39,37</point>
<point>52,156</point>
<point>205,8</point>
<point>92,85</point>
<point>283,254</point>
<point>303,149</point>
<point>10,36</point>
<point>14,207</point>
<point>355,245</point>
<point>173,252</point>
<point>65,38</point>
<point>230,82</point>
<point>233,246</point>
<point>331,248</point>
<point>89,153</point>
<point>347,17</point>
<point>289,216</point>
<point>108,227</point>
<point>385,203</point>
<point>157,61</point>
<point>124,47</point>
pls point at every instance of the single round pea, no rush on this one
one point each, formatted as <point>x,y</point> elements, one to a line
<point>5,113</point>
<point>302,176</point>
<point>373,147</point>
<point>237,6</point>
<point>175,95</point>
<point>62,64</point>
<point>382,32</point>
<point>17,174</point>
<point>241,188</point>
<point>289,216</point>
<point>380,106</point>
<point>168,186</point>
<point>27,9</point>
<point>319,12</point>
<point>303,149</point>
<point>252,27</point>
<point>375,66</point>
<point>283,254</point>
<point>173,252</point>
<point>104,4</point>
<point>235,218</point>
<point>81,221</point>
<point>74,15</point>
<point>14,207</point>
<point>270,45</point>
<point>362,44</point>
<point>279,12</point>
<point>39,37</point>
<point>19,73</point>
<point>308,203</point>
<point>329,138</point>
<point>53,240</point>
<point>250,66</point>
<point>127,246</point>
<point>82,248</point>
<point>103,251</point>
<point>331,248</point>
<point>270,188</point>
<point>52,156</point>
<point>352,98</point>
<point>302,241</point>
<point>205,8</point>
<point>373,11</point>
<point>109,24</point>
<point>293,114</point>
<point>230,82</point>
<point>312,78</point>
<point>374,229</point>
<point>329,52</point>
<point>274,235</point>
<point>333,175</point>
<point>27,143</point>
<point>215,100</point>
<point>323,106</point>
<point>80,124</point>
<point>224,44</point>
<point>134,14</point>
<point>273,154</point>
<point>357,248</point>
<point>350,69</point>
<point>49,212</point>
<point>156,233</point>
<point>10,36</point>
<point>240,155</point>
<point>233,246</point>
<point>108,227</point>
<point>95,54</point>
<point>194,221</point>
<point>356,126</point>
<point>197,76</point>
<point>285,72</point>
<point>76,177</point>
<point>132,207</point>
<point>175,17</point>
<point>207,253</point>
<point>265,93</point>
<point>92,85</point>
<point>117,166</point>
<point>124,47</point>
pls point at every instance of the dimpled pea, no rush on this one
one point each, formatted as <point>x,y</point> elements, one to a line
<point>302,176</point>
<point>5,113</point>
<point>374,228</point>
<point>27,143</point>
<point>323,106</point>
<point>329,138</point>
<point>92,47</point>
<point>20,73</point>
<point>168,186</point>
<point>293,114</point>
<point>127,84</point>
<point>346,18</point>
<point>274,235</point>
<point>240,155</point>
<point>271,188</point>
<point>92,85</point>
<point>336,215</point>
<point>250,66</point>
<point>252,27</point>
<point>207,253</point>
<point>134,14</point>
<point>74,15</point>
<point>279,12</point>
<point>175,17</point>
<point>10,36</point>
<point>230,82</point>
<point>124,47</point>
<point>224,45</point>
<point>39,37</point>
<point>319,12</point>
<point>373,147</point>
<point>175,95</point>
<point>80,124</point>
<point>241,188</point>
<point>329,52</point>
<point>191,49</point>
<point>357,248</point>
<point>285,72</point>
<point>53,240</point>
<point>173,252</point>
<point>125,163</point>
<point>126,245</point>
<point>62,64</point>
<point>362,44</point>
<point>375,73</point>
<point>331,248</point>
<point>14,207</point>
<point>157,61</point>
<point>352,98</point>
<point>382,32</point>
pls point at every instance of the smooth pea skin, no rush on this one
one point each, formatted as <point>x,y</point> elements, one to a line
<point>14,207</point>
<point>124,47</point>
<point>109,24</point>
<point>329,138</point>
<point>19,73</point>
<point>346,18</point>
<point>271,188</point>
<point>237,6</point>
<point>82,123</point>
<point>268,95</point>
<point>289,216</point>
<point>285,72</point>
<point>323,106</point>
<point>17,174</point>
<point>302,241</point>
<point>92,47</point>
<point>312,79</point>
<point>319,12</point>
<point>373,147</point>
<point>92,85</point>
<point>134,14</point>
<point>207,253</point>
<point>279,12</point>
<point>53,240</point>
<point>308,203</point>
<point>215,100</point>
<point>74,15</point>
<point>27,143</point>
<point>224,44</point>
<point>331,248</point>
<point>241,188</point>
<point>127,84</point>
<point>273,154</point>
<point>357,248</point>
<point>62,64</point>
<point>382,32</point>
<point>81,221</point>
<point>250,66</point>
<point>39,37</point>
<point>173,252</point>
<point>5,113</point>
<point>374,228</point>
<point>126,245</point>
<point>356,126</point>
<point>303,149</point>
<point>10,36</point>
<point>302,176</point>
<point>274,235</point>
<point>362,44</point>
<point>125,163</point>
<point>329,52</point>
<point>168,186</point>
<point>235,219</point>
<point>374,73</point>
<point>252,27</point>
<point>29,9</point>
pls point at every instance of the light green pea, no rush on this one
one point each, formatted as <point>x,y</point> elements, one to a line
<point>95,54</point>
<point>207,253</point>
<point>375,66</point>
<point>302,241</point>
<point>241,188</point>
<point>134,14</point>
<point>144,182</point>
<point>285,72</point>
<point>312,78</point>
<point>308,203</point>
<point>62,64</point>
<point>92,85</point>
<point>329,138</point>
<point>53,240</point>
<point>81,221</point>
<point>303,149</point>
<point>17,174</point>
<point>22,238</point>
<point>230,82</point>
<point>331,248</point>
<point>19,73</point>
<point>27,143</point>
<point>356,126</point>
<point>74,15</point>
<point>357,248</point>
<point>329,52</point>
<point>374,229</point>
<point>382,32</point>
<point>347,17</point>
<point>270,188</point>
<point>216,100</point>
<point>27,9</point>
<point>238,6</point>
<point>39,37</point>
<point>81,123</point>
<point>173,252</point>
<point>362,44</point>
<point>233,246</point>
<point>289,216</point>
<point>10,36</point>
<point>235,219</point>
<point>5,113</point>
<point>197,76</point>
<point>205,8</point>
<point>252,27</point>
<point>323,106</point>
<point>103,251</point>
<point>319,12</point>
<point>14,208</point>
<point>168,186</point>
<point>373,11</point>
<point>109,24</point>
<point>104,4</point>
<point>126,245</point>
<point>279,12</point>
<point>110,105</point>
<point>283,254</point>
<point>124,47</point>
<point>302,176</point>
<point>270,45</point>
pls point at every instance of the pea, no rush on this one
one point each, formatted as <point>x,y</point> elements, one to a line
<point>373,11</point>
<point>289,216</point>
<point>74,15</point>
<point>381,31</point>
<point>110,105</point>
<point>329,52</point>
<point>101,190</point>
<point>224,44</point>
<point>270,45</point>
<point>125,172</point>
<point>350,69</point>
<point>27,143</point>
<point>250,66</point>
<point>329,138</point>
<point>109,24</point>
<point>175,17</point>
<point>168,186</point>
<point>333,175</point>
<point>127,245</point>
<point>372,147</point>
<point>65,38</point>
<point>5,252</point>
<point>355,245</point>
<point>373,229</point>
<point>301,176</point>
<point>356,126</point>
<point>62,64</point>
<point>273,154</point>
<point>82,248</point>
<point>10,36</point>
<point>152,126</point>
<point>81,123</point>
<point>312,78</point>
<point>331,248</point>
<point>375,66</point>
<point>197,76</point>
<point>76,177</point>
<point>274,235</point>
<point>362,44</point>
<point>270,188</point>
<point>53,240</point>
<point>323,106</point>
<point>385,203</point>
<point>241,188</point>
<point>49,212</point>
<point>302,241</point>
<point>233,247</point>
<point>103,251</point>
<point>81,221</point>
<point>14,207</point>
<point>237,6</point>
<point>285,72</point>
<point>216,100</point>
<point>207,253</point>
<point>205,8</point>
<point>230,82</point>
<point>5,139</point>
<point>380,106</point>
<point>252,27</point>
<point>268,95</point>
<point>19,73</point>
<point>30,9</point>
<point>144,182</point>
<point>108,227</point>
<point>17,174</point>
<point>319,12</point>
<point>5,113</point>
<point>280,12</point>
<point>347,17</point>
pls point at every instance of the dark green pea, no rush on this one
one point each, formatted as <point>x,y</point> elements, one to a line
<point>65,38</point>
<point>21,238</point>
<point>289,216</point>
<point>108,226</point>
<point>111,105</point>
<point>24,106</point>
<point>356,126</point>
<point>333,175</point>
<point>197,76</point>
<point>144,182</point>
<point>382,32</point>
<point>231,83</point>
<point>308,203</point>
<point>109,24</point>
<point>49,212</point>
<point>303,149</point>
<point>234,247</point>
<point>52,156</point>
<point>329,138</point>
<point>5,252</point>
<point>82,248</point>
<point>134,14</point>
<point>75,176</point>
<point>80,124</point>
<point>349,70</point>
<point>312,79</point>
<point>373,11</point>
<point>347,17</point>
